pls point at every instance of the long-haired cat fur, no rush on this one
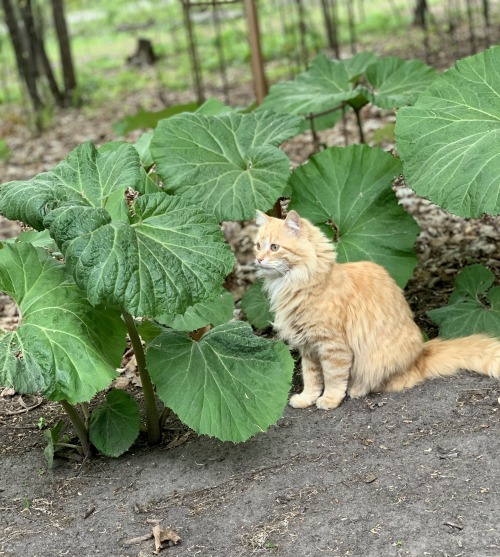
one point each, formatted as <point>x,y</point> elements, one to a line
<point>350,321</point>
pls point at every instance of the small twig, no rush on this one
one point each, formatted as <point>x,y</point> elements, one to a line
<point>25,410</point>
<point>453,525</point>
<point>139,539</point>
<point>69,446</point>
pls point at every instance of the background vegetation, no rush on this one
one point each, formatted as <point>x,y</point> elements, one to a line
<point>105,35</point>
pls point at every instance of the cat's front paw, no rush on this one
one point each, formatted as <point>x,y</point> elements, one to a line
<point>328,403</point>
<point>301,401</point>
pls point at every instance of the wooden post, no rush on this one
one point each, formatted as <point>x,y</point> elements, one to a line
<point>195,63</point>
<point>259,76</point>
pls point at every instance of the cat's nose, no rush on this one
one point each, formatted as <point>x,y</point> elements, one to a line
<point>259,261</point>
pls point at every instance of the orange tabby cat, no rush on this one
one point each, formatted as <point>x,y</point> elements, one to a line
<point>350,321</point>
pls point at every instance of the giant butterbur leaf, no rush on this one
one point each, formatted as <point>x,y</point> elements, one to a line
<point>146,119</point>
<point>255,306</point>
<point>115,425</point>
<point>449,141</point>
<point>230,384</point>
<point>323,86</point>
<point>213,312</point>
<point>473,307</point>
<point>358,64</point>
<point>169,256</point>
<point>229,163</point>
<point>64,348</point>
<point>88,177</point>
<point>351,188</point>
<point>160,256</point>
<point>394,82</point>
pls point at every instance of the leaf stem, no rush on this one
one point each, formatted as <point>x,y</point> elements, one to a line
<point>314,134</point>
<point>79,426</point>
<point>360,126</point>
<point>152,418</point>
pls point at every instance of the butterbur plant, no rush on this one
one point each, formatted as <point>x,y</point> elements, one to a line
<point>156,256</point>
<point>330,85</point>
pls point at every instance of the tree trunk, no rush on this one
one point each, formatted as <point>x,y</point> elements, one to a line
<point>486,15</point>
<point>472,33</point>
<point>68,68</point>
<point>352,27</point>
<point>30,35</point>
<point>43,63</point>
<point>419,13</point>
<point>26,64</point>
<point>330,26</point>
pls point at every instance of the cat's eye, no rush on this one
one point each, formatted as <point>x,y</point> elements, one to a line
<point>274,247</point>
<point>257,246</point>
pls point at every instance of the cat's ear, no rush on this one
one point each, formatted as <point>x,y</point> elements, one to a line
<point>293,222</point>
<point>261,218</point>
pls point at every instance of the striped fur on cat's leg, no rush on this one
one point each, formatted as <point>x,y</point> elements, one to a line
<point>336,361</point>
<point>312,377</point>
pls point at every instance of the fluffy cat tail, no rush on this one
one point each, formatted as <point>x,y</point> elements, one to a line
<point>441,358</point>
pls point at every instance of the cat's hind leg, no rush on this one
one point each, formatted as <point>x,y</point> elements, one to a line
<point>312,377</point>
<point>336,361</point>
<point>358,390</point>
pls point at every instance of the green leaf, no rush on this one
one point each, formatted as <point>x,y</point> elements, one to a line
<point>212,107</point>
<point>351,187</point>
<point>168,257</point>
<point>148,183</point>
<point>142,147</point>
<point>358,64</point>
<point>149,330</point>
<point>116,424</point>
<point>255,306</point>
<point>162,256</point>
<point>64,347</point>
<point>52,437</point>
<point>35,238</point>
<point>231,384</point>
<point>145,119</point>
<point>213,312</point>
<point>326,84</point>
<point>471,308</point>
<point>88,177</point>
<point>395,82</point>
<point>449,140</point>
<point>229,164</point>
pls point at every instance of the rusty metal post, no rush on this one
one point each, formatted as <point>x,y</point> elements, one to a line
<point>259,76</point>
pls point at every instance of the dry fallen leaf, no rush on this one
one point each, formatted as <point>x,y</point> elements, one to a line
<point>121,382</point>
<point>7,392</point>
<point>156,536</point>
<point>179,440</point>
<point>164,535</point>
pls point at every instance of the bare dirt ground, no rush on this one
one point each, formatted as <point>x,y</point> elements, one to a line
<point>413,474</point>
